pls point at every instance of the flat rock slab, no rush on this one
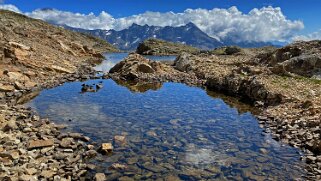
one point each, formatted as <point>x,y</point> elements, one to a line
<point>40,143</point>
<point>6,88</point>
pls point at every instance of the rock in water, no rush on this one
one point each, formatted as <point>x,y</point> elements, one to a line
<point>100,177</point>
<point>99,86</point>
<point>87,88</point>
<point>106,148</point>
<point>120,139</point>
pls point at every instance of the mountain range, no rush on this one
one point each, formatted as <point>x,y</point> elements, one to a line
<point>189,34</point>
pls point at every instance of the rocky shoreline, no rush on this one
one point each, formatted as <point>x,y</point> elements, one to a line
<point>34,148</point>
<point>35,56</point>
<point>290,103</point>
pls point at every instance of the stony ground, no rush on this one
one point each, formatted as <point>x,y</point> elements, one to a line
<point>159,47</point>
<point>285,83</point>
<point>35,55</point>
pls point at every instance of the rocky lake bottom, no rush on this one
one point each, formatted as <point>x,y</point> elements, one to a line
<point>171,131</point>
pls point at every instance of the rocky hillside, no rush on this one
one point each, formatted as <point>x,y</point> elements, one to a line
<point>300,58</point>
<point>33,52</point>
<point>161,47</point>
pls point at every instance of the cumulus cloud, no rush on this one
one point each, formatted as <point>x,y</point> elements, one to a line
<point>9,7</point>
<point>312,36</point>
<point>265,24</point>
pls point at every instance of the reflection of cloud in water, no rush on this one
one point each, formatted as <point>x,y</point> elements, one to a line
<point>105,66</point>
<point>204,156</point>
<point>269,141</point>
<point>76,111</point>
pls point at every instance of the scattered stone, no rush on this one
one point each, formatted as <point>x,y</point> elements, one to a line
<point>62,69</point>
<point>31,171</point>
<point>263,151</point>
<point>6,88</point>
<point>90,147</point>
<point>47,174</point>
<point>40,143</point>
<point>99,86</point>
<point>310,159</point>
<point>117,166</point>
<point>87,88</point>
<point>11,125</point>
<point>106,148</point>
<point>66,142</point>
<point>91,153</point>
<point>81,173</point>
<point>120,139</point>
<point>28,178</point>
<point>172,178</point>
<point>100,177</point>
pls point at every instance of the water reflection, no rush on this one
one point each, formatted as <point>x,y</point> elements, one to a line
<point>233,102</point>
<point>174,131</point>
<point>111,59</point>
<point>139,87</point>
<point>161,58</point>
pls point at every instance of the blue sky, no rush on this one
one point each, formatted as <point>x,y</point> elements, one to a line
<point>307,11</point>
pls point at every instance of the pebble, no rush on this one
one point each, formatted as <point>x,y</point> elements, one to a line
<point>100,177</point>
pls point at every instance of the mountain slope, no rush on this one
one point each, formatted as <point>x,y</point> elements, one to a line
<point>128,39</point>
<point>33,52</point>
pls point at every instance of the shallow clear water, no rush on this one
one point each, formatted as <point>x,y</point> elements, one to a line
<point>113,58</point>
<point>171,130</point>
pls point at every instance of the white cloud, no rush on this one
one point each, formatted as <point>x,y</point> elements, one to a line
<point>265,24</point>
<point>312,36</point>
<point>9,7</point>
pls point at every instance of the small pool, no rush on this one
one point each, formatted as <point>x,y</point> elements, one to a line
<point>172,131</point>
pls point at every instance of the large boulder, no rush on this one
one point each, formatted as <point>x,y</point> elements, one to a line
<point>302,58</point>
<point>135,65</point>
<point>183,62</point>
<point>306,65</point>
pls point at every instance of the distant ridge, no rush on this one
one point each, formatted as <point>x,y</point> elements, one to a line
<point>189,34</point>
